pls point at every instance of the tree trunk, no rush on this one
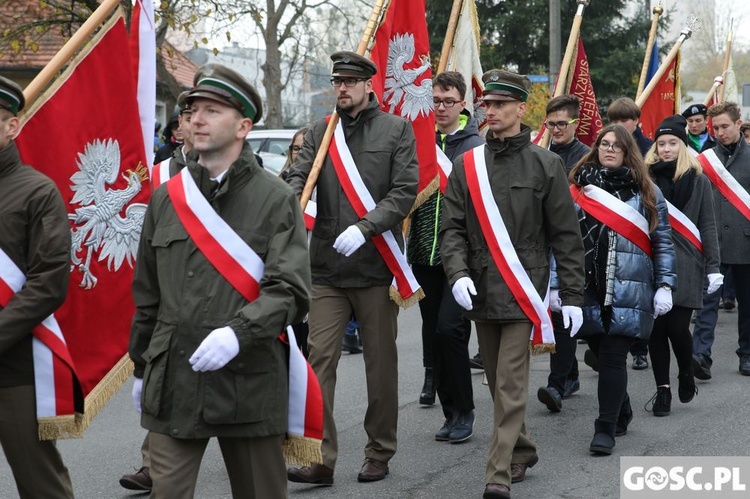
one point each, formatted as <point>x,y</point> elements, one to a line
<point>272,79</point>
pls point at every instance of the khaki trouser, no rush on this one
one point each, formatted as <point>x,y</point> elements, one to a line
<point>377,315</point>
<point>255,466</point>
<point>36,464</point>
<point>505,354</point>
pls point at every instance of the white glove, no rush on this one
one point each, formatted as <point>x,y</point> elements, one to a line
<point>715,281</point>
<point>573,318</point>
<point>555,304</point>
<point>219,347</point>
<point>662,301</point>
<point>349,241</point>
<point>463,289</point>
<point>137,390</point>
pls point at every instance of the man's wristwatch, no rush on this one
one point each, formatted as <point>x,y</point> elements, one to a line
<point>666,286</point>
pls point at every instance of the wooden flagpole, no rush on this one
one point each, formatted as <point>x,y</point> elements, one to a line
<point>711,93</point>
<point>658,10</point>
<point>684,35</point>
<point>450,35</point>
<point>378,10</point>
<point>570,49</point>
<point>47,74</point>
<point>727,55</point>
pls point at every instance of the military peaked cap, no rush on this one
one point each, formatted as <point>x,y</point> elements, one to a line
<point>505,86</point>
<point>352,64</point>
<point>11,96</point>
<point>219,83</point>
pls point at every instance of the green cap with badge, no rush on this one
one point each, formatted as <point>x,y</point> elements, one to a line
<point>11,96</point>
<point>221,84</point>
<point>503,85</point>
<point>351,64</point>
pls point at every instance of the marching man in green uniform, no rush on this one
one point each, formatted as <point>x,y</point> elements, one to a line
<point>506,206</point>
<point>35,241</point>
<point>204,339</point>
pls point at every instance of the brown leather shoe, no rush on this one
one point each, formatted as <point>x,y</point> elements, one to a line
<point>140,480</point>
<point>518,470</point>
<point>317,474</point>
<point>372,470</point>
<point>496,491</point>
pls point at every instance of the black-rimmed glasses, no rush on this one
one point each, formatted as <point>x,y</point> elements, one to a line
<point>347,82</point>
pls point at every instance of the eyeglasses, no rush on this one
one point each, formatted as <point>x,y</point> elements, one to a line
<point>561,125</point>
<point>348,82</point>
<point>295,148</point>
<point>605,146</point>
<point>446,103</point>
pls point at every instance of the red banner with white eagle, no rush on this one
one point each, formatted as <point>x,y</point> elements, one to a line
<point>84,132</point>
<point>403,83</point>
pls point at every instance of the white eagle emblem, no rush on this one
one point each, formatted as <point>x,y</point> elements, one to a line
<point>98,224</point>
<point>400,83</point>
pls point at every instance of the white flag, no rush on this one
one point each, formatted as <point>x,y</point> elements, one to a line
<point>464,58</point>
<point>731,91</point>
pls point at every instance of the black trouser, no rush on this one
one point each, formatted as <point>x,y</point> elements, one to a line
<point>563,364</point>
<point>741,275</point>
<point>612,353</point>
<point>445,331</point>
<point>639,347</point>
<point>672,327</point>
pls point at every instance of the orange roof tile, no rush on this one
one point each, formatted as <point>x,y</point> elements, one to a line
<point>34,51</point>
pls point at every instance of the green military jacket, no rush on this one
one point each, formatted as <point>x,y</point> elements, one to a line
<point>180,298</point>
<point>35,234</point>
<point>384,150</point>
<point>531,191</point>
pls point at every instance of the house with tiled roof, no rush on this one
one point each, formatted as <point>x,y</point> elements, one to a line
<point>26,58</point>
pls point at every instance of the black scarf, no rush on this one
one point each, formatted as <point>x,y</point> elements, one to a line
<point>677,192</point>
<point>596,240</point>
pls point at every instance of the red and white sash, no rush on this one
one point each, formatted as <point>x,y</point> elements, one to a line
<point>684,226</point>
<point>160,173</point>
<point>502,250</point>
<point>725,182</point>
<point>615,214</point>
<point>362,202</point>
<point>446,167</point>
<point>311,211</point>
<point>58,391</point>
<point>236,261</point>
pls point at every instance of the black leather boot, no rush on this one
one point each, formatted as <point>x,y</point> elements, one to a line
<point>427,397</point>
<point>604,438</point>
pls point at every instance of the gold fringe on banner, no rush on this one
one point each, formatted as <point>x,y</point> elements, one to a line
<point>408,302</point>
<point>541,349</point>
<point>428,191</point>
<point>302,451</point>
<point>70,426</point>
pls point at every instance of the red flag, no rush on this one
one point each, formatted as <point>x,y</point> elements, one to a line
<point>579,84</point>
<point>404,80</point>
<point>662,101</point>
<point>85,134</point>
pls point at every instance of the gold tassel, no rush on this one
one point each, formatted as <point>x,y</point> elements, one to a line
<point>426,193</point>
<point>541,348</point>
<point>302,451</point>
<point>70,426</point>
<point>408,302</point>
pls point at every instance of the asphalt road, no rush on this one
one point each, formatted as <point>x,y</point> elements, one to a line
<point>715,423</point>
